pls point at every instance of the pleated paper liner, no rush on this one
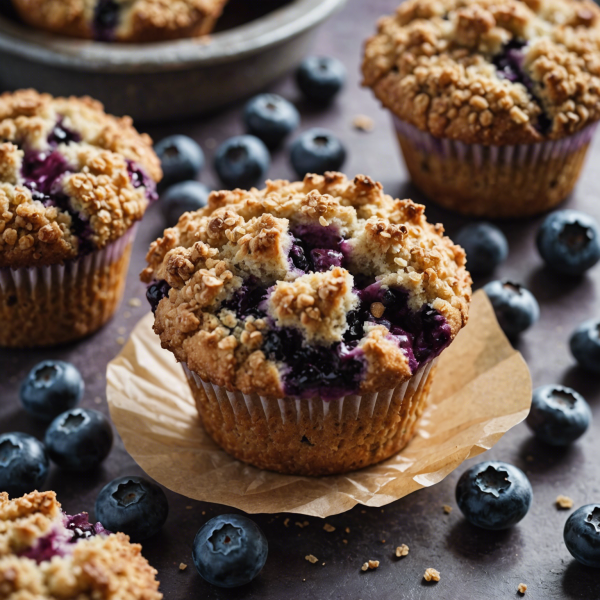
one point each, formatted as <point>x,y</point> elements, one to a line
<point>482,388</point>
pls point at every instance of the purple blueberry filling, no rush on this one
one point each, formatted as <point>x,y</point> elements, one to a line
<point>156,292</point>
<point>317,248</point>
<point>106,19</point>
<point>60,541</point>
<point>62,135</point>
<point>139,178</point>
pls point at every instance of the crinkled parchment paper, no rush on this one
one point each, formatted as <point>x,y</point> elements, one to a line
<point>482,388</point>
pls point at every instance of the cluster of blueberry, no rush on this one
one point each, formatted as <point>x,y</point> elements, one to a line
<point>495,495</point>
<point>243,161</point>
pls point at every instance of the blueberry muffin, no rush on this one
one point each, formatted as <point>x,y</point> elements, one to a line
<point>122,20</point>
<point>494,101</point>
<point>73,184</point>
<point>308,317</point>
<point>47,554</point>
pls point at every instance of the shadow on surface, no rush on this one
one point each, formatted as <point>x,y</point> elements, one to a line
<point>480,545</point>
<point>584,382</point>
<point>548,285</point>
<point>544,458</point>
<point>580,582</point>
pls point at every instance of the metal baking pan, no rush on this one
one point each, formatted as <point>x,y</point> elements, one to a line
<point>167,80</point>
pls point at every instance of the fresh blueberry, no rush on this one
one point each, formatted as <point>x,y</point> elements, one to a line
<point>79,439</point>
<point>569,242</point>
<point>134,506</point>
<point>320,78</point>
<point>485,245</point>
<point>515,306</point>
<point>230,550</point>
<point>181,159</point>
<point>559,415</point>
<point>494,495</point>
<point>242,161</point>
<point>585,345</point>
<point>317,151</point>
<point>582,535</point>
<point>183,197</point>
<point>270,118</point>
<point>50,388</point>
<point>23,464</point>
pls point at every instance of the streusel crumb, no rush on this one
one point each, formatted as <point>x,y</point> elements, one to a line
<point>370,565</point>
<point>564,502</point>
<point>329,528</point>
<point>431,575</point>
<point>402,551</point>
<point>311,559</point>
<point>522,588</point>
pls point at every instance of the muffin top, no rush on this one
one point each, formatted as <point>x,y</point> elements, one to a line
<point>122,20</point>
<point>489,71</point>
<point>46,554</point>
<point>72,178</point>
<point>322,287</point>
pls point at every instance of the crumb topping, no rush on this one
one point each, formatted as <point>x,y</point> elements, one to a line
<point>489,71</point>
<point>72,178</point>
<point>231,281</point>
<point>431,575</point>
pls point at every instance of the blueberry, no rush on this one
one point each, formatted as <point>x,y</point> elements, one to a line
<point>569,242</point>
<point>181,159</point>
<point>494,495</point>
<point>320,78</point>
<point>230,550</point>
<point>515,306</point>
<point>23,464</point>
<point>50,388</point>
<point>270,118</point>
<point>183,197</point>
<point>585,345</point>
<point>132,505</point>
<point>559,415</point>
<point>485,245</point>
<point>242,161</point>
<point>317,151</point>
<point>582,535</point>
<point>79,439</point>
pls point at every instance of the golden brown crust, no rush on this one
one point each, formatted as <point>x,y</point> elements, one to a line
<point>105,567</point>
<point>139,20</point>
<point>431,65</point>
<point>244,235</point>
<point>97,185</point>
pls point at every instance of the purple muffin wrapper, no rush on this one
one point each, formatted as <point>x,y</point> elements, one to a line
<point>289,410</point>
<point>518,154</point>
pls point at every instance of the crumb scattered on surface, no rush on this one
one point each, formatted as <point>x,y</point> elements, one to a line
<point>447,509</point>
<point>304,524</point>
<point>182,566</point>
<point>564,502</point>
<point>203,512</point>
<point>529,458</point>
<point>190,507</point>
<point>126,314</point>
<point>311,559</point>
<point>522,588</point>
<point>98,400</point>
<point>347,530</point>
<point>431,575</point>
<point>121,340</point>
<point>287,522</point>
<point>329,528</point>
<point>121,331</point>
<point>345,541</point>
<point>135,302</point>
<point>371,564</point>
<point>363,123</point>
<point>402,551</point>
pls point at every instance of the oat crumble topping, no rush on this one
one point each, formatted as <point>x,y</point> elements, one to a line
<point>431,575</point>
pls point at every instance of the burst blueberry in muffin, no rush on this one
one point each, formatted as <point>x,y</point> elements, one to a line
<point>47,554</point>
<point>494,101</point>
<point>308,316</point>
<point>122,20</point>
<point>74,181</point>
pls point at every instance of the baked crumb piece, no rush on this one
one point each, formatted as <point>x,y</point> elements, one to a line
<point>329,528</point>
<point>522,588</point>
<point>402,551</point>
<point>121,340</point>
<point>182,566</point>
<point>345,541</point>
<point>371,564</point>
<point>135,302</point>
<point>301,525</point>
<point>447,509</point>
<point>311,559</point>
<point>431,575</point>
<point>347,530</point>
<point>363,123</point>
<point>564,502</point>
<point>286,523</point>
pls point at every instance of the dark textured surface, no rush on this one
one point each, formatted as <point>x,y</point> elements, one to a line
<point>474,564</point>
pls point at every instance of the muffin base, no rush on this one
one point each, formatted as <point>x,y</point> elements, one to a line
<point>312,436</point>
<point>493,181</point>
<point>45,306</point>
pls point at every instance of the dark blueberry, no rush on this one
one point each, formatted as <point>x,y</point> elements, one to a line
<point>485,245</point>
<point>181,159</point>
<point>139,178</point>
<point>133,505</point>
<point>50,388</point>
<point>62,135</point>
<point>242,161</point>
<point>23,464</point>
<point>317,151</point>
<point>230,550</point>
<point>79,439</point>
<point>515,306</point>
<point>585,345</point>
<point>82,528</point>
<point>569,242</point>
<point>320,78</point>
<point>183,197</point>
<point>156,292</point>
<point>494,495</point>
<point>324,259</point>
<point>559,415</point>
<point>582,535</point>
<point>41,170</point>
<point>270,118</point>
<point>106,19</point>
